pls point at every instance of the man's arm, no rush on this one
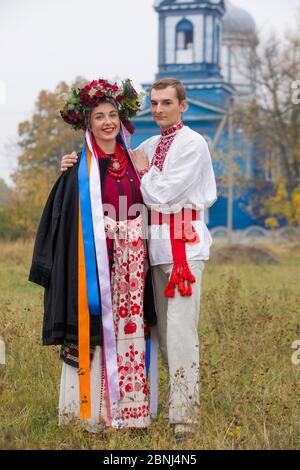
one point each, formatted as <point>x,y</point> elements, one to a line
<point>193,165</point>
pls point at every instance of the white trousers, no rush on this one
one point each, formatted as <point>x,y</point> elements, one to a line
<point>177,323</point>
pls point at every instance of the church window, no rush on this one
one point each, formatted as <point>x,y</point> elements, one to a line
<point>184,42</point>
<point>185,35</point>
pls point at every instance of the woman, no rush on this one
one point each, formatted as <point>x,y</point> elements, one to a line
<point>90,256</point>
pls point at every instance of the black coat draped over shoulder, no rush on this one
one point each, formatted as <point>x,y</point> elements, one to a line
<point>55,264</point>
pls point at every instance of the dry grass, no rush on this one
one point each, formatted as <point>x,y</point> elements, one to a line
<point>249,386</point>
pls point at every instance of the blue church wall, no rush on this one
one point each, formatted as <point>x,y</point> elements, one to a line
<point>241,218</point>
<point>190,71</point>
<point>212,94</point>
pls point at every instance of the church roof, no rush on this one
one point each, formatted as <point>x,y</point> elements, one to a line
<point>157,3</point>
<point>237,21</point>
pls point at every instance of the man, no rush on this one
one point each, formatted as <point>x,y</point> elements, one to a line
<point>177,184</point>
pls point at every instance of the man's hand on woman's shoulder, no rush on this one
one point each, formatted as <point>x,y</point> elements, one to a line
<point>68,161</point>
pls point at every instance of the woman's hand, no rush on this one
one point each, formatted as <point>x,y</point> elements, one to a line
<point>68,161</point>
<point>139,159</point>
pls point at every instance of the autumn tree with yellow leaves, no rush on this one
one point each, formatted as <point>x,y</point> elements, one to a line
<point>42,140</point>
<point>271,121</point>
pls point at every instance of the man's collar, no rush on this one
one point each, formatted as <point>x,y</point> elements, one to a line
<point>172,130</point>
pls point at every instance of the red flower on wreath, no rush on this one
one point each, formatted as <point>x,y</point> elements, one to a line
<point>82,100</point>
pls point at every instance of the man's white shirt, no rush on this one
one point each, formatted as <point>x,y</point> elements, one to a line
<point>186,180</point>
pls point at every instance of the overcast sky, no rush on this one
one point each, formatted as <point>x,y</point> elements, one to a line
<point>45,41</point>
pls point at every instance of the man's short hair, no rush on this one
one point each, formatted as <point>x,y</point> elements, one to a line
<point>173,82</point>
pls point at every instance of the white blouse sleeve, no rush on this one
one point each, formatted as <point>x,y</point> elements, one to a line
<point>208,181</point>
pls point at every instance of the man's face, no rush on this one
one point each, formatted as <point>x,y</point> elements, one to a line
<point>165,107</point>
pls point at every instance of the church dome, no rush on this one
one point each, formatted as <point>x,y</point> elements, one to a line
<point>237,21</point>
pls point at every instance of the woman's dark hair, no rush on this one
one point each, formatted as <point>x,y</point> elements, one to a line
<point>105,99</point>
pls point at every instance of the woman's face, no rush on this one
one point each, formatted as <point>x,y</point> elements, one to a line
<point>105,122</point>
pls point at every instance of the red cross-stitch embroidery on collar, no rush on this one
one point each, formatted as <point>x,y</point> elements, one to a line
<point>172,129</point>
<point>164,144</point>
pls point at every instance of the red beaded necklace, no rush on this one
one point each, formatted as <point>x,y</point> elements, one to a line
<point>118,162</point>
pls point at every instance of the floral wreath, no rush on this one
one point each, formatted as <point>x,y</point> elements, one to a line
<point>82,100</point>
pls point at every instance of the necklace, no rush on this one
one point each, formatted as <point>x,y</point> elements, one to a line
<point>118,161</point>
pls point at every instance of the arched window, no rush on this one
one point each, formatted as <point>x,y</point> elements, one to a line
<point>184,42</point>
<point>185,35</point>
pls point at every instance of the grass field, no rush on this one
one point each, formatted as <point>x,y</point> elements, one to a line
<point>249,386</point>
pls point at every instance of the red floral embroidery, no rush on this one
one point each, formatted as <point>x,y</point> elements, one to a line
<point>172,130</point>
<point>164,145</point>
<point>123,312</point>
<point>144,171</point>
<point>127,284</point>
<point>123,287</point>
<point>133,267</point>
<point>130,328</point>
<point>128,388</point>
<point>135,309</point>
<point>134,285</point>
<point>136,245</point>
<point>135,413</point>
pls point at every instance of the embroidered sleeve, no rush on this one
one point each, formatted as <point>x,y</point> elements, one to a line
<point>144,171</point>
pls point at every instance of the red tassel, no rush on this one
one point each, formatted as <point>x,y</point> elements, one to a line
<point>182,288</point>
<point>189,290</point>
<point>185,273</point>
<point>169,291</point>
<point>175,278</point>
